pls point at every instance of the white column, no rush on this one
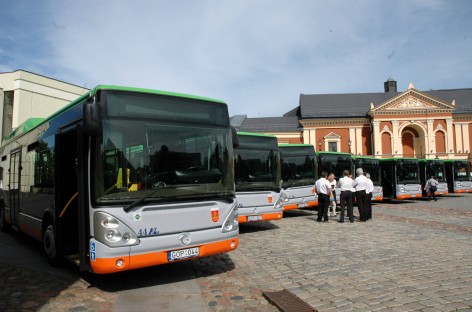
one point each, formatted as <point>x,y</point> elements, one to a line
<point>352,138</point>
<point>465,138</point>
<point>358,141</point>
<point>430,138</point>
<point>450,136</point>
<point>306,136</point>
<point>396,139</point>
<point>377,139</point>
<point>458,129</point>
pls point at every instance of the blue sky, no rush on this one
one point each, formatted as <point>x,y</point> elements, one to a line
<point>256,55</point>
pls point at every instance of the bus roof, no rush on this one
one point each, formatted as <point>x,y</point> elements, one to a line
<point>256,134</point>
<point>430,159</point>
<point>399,158</point>
<point>295,145</point>
<point>333,153</point>
<point>453,160</point>
<point>32,123</point>
<point>26,126</point>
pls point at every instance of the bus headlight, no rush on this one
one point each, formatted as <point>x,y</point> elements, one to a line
<point>112,232</point>
<point>231,222</point>
<point>279,204</point>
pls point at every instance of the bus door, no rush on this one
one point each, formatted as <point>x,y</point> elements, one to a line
<point>14,186</point>
<point>70,222</point>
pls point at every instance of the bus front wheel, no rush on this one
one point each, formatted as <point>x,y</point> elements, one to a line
<point>50,246</point>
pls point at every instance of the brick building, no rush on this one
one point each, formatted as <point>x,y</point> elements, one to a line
<point>413,123</point>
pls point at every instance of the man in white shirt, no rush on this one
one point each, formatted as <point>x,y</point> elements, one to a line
<point>368,191</point>
<point>345,184</point>
<point>323,189</point>
<point>360,184</point>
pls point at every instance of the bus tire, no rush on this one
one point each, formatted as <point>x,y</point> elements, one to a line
<point>50,245</point>
<point>4,226</point>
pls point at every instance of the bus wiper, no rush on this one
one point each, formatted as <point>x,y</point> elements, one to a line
<point>158,186</point>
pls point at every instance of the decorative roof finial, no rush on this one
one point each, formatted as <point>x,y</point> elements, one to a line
<point>411,86</point>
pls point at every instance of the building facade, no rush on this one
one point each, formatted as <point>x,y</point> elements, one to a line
<point>413,123</point>
<point>25,95</point>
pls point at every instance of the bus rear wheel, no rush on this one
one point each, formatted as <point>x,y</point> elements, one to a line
<point>50,245</point>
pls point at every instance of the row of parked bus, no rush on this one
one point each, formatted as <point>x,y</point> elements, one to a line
<point>124,178</point>
<point>260,182</point>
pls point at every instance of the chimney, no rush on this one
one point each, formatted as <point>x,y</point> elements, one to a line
<point>390,85</point>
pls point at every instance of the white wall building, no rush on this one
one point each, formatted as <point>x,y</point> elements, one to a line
<point>25,95</point>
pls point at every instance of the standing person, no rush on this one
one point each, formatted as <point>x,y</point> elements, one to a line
<point>368,191</point>
<point>345,184</point>
<point>431,187</point>
<point>323,189</point>
<point>360,184</point>
<point>332,198</point>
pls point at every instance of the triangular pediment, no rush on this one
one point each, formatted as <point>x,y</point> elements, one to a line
<point>411,99</point>
<point>332,136</point>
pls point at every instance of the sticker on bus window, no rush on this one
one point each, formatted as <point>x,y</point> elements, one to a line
<point>215,214</point>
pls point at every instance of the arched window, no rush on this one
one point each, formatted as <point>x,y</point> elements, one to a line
<point>440,139</point>
<point>408,144</point>
<point>386,143</point>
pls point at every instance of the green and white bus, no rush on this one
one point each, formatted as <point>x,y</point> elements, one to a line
<point>400,178</point>
<point>371,165</point>
<point>124,178</point>
<point>458,175</point>
<point>257,175</point>
<point>298,175</point>
<point>436,167</point>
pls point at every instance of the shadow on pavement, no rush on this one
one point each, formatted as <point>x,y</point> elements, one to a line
<point>257,226</point>
<point>304,212</point>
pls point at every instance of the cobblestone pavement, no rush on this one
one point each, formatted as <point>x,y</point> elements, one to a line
<point>413,256</point>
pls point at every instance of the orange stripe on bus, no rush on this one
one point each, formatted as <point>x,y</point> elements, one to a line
<point>108,265</point>
<point>265,217</point>
<point>290,206</point>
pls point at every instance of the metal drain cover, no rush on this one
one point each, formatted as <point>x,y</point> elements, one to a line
<point>287,302</point>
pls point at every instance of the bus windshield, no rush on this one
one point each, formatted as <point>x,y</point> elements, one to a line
<point>298,166</point>
<point>437,169</point>
<point>370,166</point>
<point>408,172</point>
<point>461,171</point>
<point>162,152</point>
<point>334,163</point>
<point>256,163</point>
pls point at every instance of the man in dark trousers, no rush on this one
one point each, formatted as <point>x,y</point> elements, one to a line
<point>360,184</point>
<point>323,189</point>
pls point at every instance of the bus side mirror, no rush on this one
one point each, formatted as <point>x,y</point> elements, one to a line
<point>234,136</point>
<point>92,119</point>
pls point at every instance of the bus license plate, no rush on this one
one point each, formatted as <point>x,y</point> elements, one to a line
<point>302,205</point>
<point>254,218</point>
<point>183,253</point>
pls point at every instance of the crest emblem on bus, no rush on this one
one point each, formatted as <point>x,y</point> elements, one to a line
<point>215,214</point>
<point>269,198</point>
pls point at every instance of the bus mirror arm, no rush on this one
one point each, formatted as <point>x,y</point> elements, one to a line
<point>92,119</point>
<point>234,136</point>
